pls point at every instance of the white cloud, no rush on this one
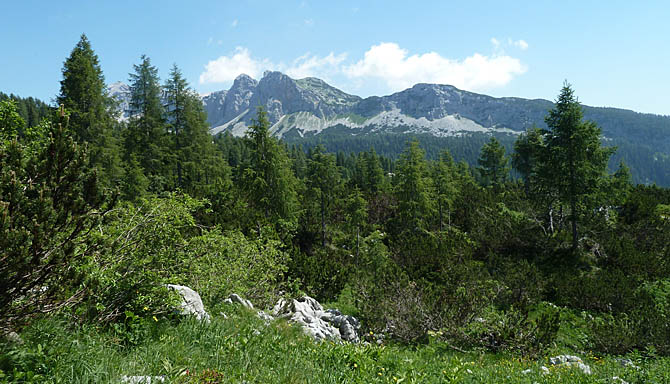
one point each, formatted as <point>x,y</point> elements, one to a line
<point>399,70</point>
<point>309,22</point>
<point>495,42</point>
<point>385,63</point>
<point>227,68</point>
<point>309,65</point>
<point>521,44</point>
<point>234,23</point>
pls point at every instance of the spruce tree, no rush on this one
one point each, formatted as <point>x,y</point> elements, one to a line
<point>268,182</point>
<point>197,163</point>
<point>492,161</point>
<point>83,93</point>
<point>444,180</point>
<point>526,155</point>
<point>574,163</point>
<point>413,189</point>
<point>323,181</point>
<point>146,137</point>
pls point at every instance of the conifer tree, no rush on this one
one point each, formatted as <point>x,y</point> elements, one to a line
<point>268,182</point>
<point>50,201</point>
<point>83,93</point>
<point>444,179</point>
<point>412,190</point>
<point>197,164</point>
<point>146,137</point>
<point>323,179</point>
<point>356,215</point>
<point>493,164</point>
<point>574,163</point>
<point>526,155</point>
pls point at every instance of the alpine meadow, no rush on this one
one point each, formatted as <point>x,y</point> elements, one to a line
<point>284,230</point>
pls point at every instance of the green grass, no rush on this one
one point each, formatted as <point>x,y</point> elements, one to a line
<point>242,348</point>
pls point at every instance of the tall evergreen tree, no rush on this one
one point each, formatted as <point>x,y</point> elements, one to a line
<point>525,156</point>
<point>197,163</point>
<point>84,95</point>
<point>146,136</point>
<point>413,189</point>
<point>493,164</point>
<point>574,163</point>
<point>444,180</point>
<point>267,181</point>
<point>323,180</point>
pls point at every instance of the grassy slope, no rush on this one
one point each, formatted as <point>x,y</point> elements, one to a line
<point>243,349</point>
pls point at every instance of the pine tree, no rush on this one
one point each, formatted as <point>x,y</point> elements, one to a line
<point>50,201</point>
<point>492,161</point>
<point>526,155</point>
<point>83,93</point>
<point>574,163</point>
<point>444,180</point>
<point>356,215</point>
<point>197,163</point>
<point>146,136</point>
<point>268,182</point>
<point>413,188</point>
<point>323,181</point>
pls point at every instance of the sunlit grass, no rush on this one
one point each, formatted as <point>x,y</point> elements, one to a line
<point>242,348</point>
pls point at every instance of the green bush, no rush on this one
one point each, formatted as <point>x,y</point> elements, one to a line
<point>157,242</point>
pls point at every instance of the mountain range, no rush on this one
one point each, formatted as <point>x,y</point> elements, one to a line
<point>309,107</point>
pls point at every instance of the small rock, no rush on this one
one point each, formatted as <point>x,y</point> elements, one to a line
<point>526,371</point>
<point>265,317</point>
<point>13,337</point>
<point>234,298</point>
<point>191,303</point>
<point>545,370</point>
<point>627,363</point>
<point>570,361</point>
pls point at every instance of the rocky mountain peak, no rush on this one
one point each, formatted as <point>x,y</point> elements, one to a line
<point>244,81</point>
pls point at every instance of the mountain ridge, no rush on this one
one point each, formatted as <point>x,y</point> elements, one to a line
<point>305,109</point>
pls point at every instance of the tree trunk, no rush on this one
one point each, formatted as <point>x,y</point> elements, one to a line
<point>323,221</point>
<point>358,241</point>
<point>573,218</point>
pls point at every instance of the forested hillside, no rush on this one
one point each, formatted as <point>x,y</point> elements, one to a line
<point>97,215</point>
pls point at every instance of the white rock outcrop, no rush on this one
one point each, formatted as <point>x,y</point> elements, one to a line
<point>317,322</point>
<point>570,361</point>
<point>191,303</point>
<point>234,298</point>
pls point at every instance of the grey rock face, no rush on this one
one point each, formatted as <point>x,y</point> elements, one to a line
<point>236,299</point>
<point>13,337</point>
<point>320,324</point>
<point>191,303</point>
<point>570,361</point>
<point>120,92</point>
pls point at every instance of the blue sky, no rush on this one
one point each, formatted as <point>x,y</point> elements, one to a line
<point>615,53</point>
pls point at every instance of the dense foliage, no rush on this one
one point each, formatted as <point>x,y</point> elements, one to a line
<point>568,257</point>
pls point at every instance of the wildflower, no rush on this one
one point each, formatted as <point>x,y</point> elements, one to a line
<point>155,319</point>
